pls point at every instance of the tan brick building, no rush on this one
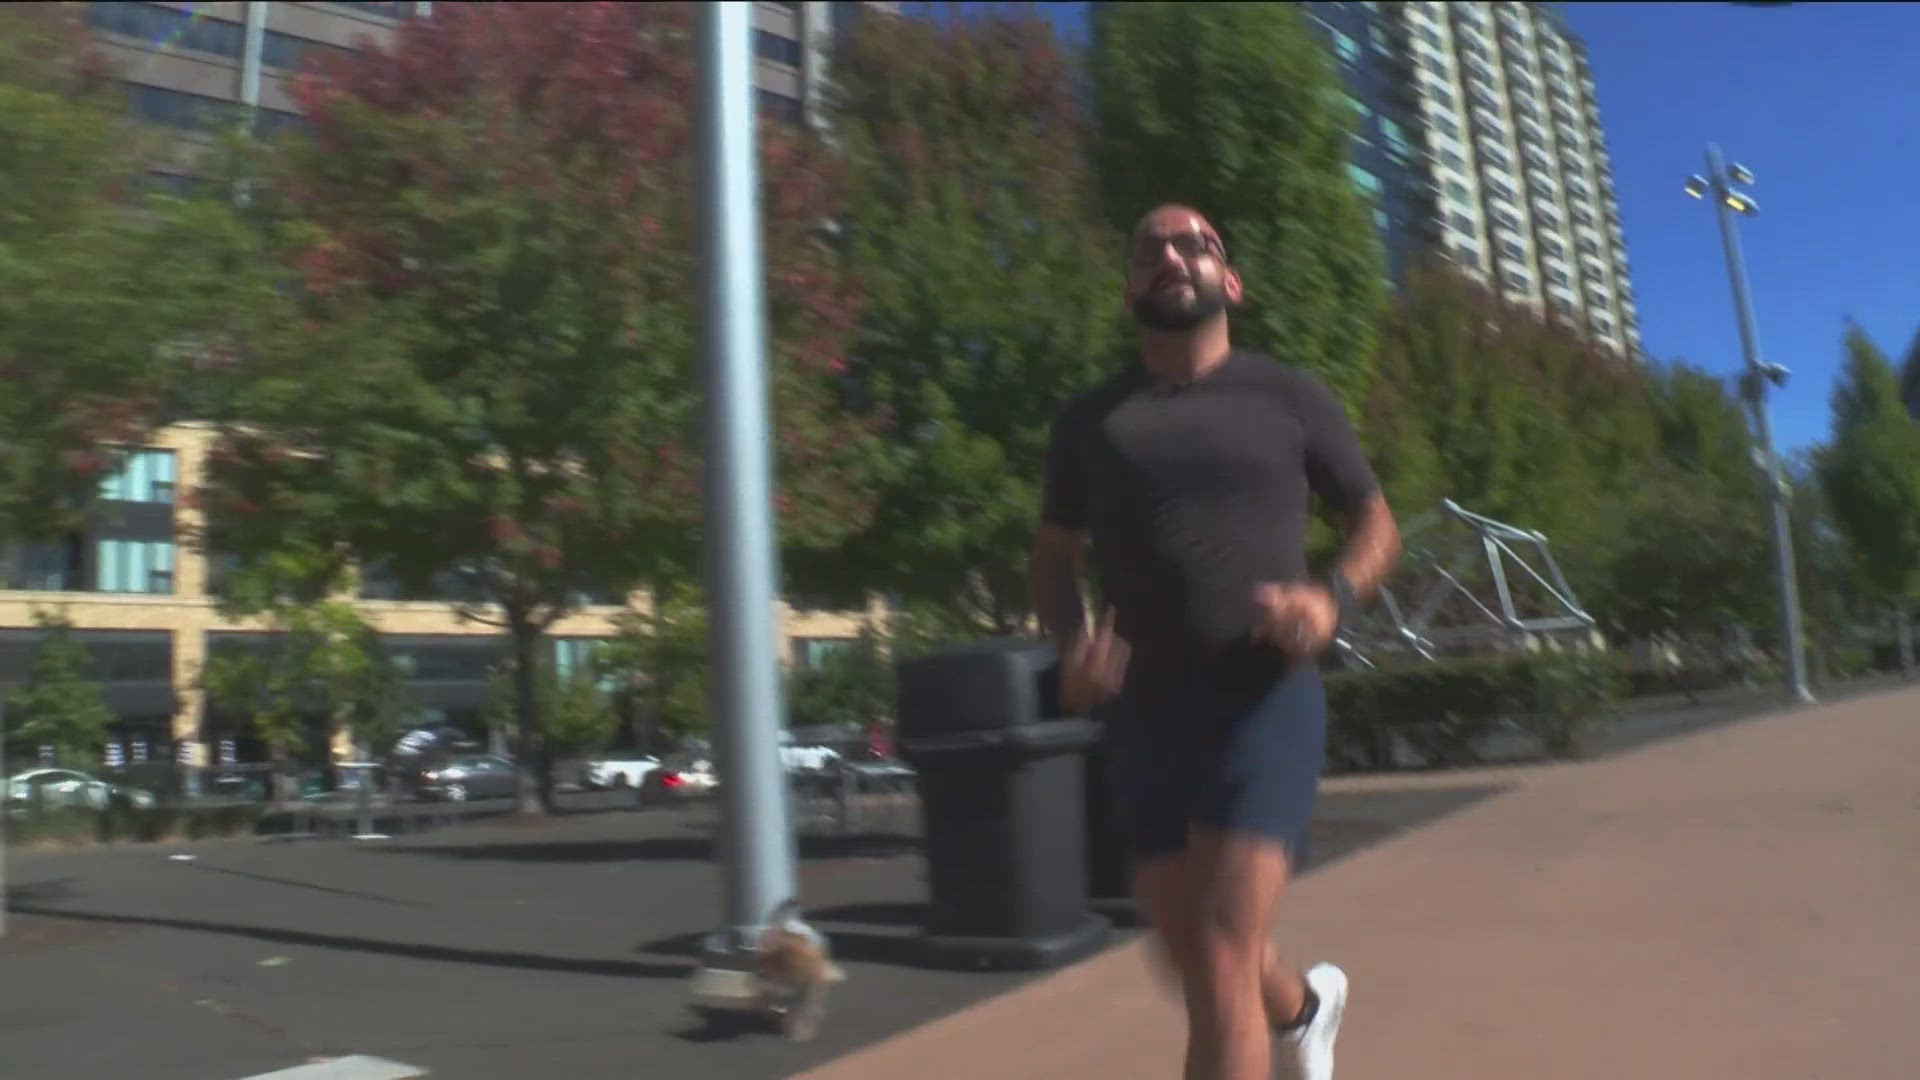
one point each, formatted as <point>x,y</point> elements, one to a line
<point>138,593</point>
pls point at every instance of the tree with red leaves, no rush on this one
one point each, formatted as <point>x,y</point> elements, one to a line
<point>491,368</point>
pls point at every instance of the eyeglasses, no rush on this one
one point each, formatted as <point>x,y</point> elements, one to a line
<point>1146,249</point>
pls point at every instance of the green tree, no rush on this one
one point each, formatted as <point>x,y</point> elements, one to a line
<point>580,716</point>
<point>993,294</point>
<point>1690,558</point>
<point>1237,110</point>
<point>1835,599</point>
<point>489,231</point>
<point>661,655</point>
<point>1910,378</point>
<point>320,657</point>
<point>59,705</point>
<point>88,283</point>
<point>1479,400</point>
<point>853,684</point>
<point>1871,475</point>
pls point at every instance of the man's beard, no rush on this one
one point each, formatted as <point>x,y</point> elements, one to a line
<point>1170,311</point>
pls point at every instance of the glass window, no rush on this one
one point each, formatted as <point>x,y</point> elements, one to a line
<point>1396,137</point>
<point>1348,48</point>
<point>778,47</point>
<point>175,108</point>
<point>142,476</point>
<point>160,572</point>
<point>778,106</point>
<point>1377,37</point>
<point>287,51</point>
<point>166,27</point>
<point>1380,219</point>
<point>392,9</point>
<point>1462,222</point>
<point>1364,180</point>
<point>1457,191</point>
<point>133,566</point>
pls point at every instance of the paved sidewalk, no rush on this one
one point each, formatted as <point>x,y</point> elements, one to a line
<point>1739,904</point>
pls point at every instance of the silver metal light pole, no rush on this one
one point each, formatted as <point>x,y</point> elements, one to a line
<point>1718,183</point>
<point>6,795</point>
<point>756,847</point>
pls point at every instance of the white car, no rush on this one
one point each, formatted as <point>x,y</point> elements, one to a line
<point>621,772</point>
<point>65,789</point>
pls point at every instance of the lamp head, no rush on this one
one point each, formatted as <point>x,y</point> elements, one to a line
<point>1697,186</point>
<point>1739,173</point>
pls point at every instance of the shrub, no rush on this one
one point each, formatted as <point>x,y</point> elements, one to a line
<point>1442,712</point>
<point>164,823</point>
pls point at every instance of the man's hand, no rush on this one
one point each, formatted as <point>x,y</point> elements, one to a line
<point>1299,620</point>
<point>1094,669</point>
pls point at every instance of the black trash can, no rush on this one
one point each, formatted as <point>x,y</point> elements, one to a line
<point>1109,871</point>
<point>1002,803</point>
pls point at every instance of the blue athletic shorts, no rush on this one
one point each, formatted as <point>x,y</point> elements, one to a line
<point>1235,750</point>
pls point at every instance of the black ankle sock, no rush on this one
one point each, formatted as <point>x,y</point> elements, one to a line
<point>1308,1010</point>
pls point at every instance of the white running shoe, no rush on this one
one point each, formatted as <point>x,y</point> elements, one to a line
<point>1307,1053</point>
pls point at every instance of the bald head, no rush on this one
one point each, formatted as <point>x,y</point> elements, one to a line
<point>1177,273</point>
<point>1169,219</point>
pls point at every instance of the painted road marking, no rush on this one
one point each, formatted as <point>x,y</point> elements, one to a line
<point>357,1067</point>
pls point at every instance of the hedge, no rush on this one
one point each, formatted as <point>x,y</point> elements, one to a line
<point>1443,711</point>
<point>162,823</point>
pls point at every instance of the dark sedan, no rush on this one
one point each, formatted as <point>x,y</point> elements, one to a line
<point>465,777</point>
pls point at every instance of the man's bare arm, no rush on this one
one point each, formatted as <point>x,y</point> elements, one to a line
<point>1373,545</point>
<point>1053,576</point>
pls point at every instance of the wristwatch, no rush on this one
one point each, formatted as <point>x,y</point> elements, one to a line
<point>1345,597</point>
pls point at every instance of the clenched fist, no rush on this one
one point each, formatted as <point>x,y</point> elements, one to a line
<point>1093,670</point>
<point>1299,620</point>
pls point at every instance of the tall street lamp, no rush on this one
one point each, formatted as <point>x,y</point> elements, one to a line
<point>1719,184</point>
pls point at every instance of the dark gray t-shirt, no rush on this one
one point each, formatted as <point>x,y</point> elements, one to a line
<point>1192,495</point>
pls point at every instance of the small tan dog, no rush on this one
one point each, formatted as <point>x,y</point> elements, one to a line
<point>795,970</point>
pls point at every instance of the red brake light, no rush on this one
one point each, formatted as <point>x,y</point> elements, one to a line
<point>671,779</point>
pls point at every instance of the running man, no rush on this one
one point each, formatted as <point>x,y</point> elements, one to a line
<point>1188,477</point>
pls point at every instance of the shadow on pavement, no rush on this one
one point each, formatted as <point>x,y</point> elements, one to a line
<point>32,892</point>
<point>526,961</point>
<point>652,849</point>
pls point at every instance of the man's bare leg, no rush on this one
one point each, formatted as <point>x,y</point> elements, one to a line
<point>1165,895</point>
<point>1239,879</point>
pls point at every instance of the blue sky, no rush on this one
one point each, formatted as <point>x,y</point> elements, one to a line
<point>1818,100</point>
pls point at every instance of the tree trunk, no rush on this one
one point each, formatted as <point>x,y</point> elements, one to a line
<point>530,746</point>
<point>1903,632</point>
<point>282,780</point>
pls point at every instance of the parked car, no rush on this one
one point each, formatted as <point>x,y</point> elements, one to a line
<point>464,777</point>
<point>679,777</point>
<point>65,789</point>
<point>630,772</point>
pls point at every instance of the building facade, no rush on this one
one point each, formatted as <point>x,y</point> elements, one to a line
<point>1481,136</point>
<point>144,601</point>
<point>138,594</point>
